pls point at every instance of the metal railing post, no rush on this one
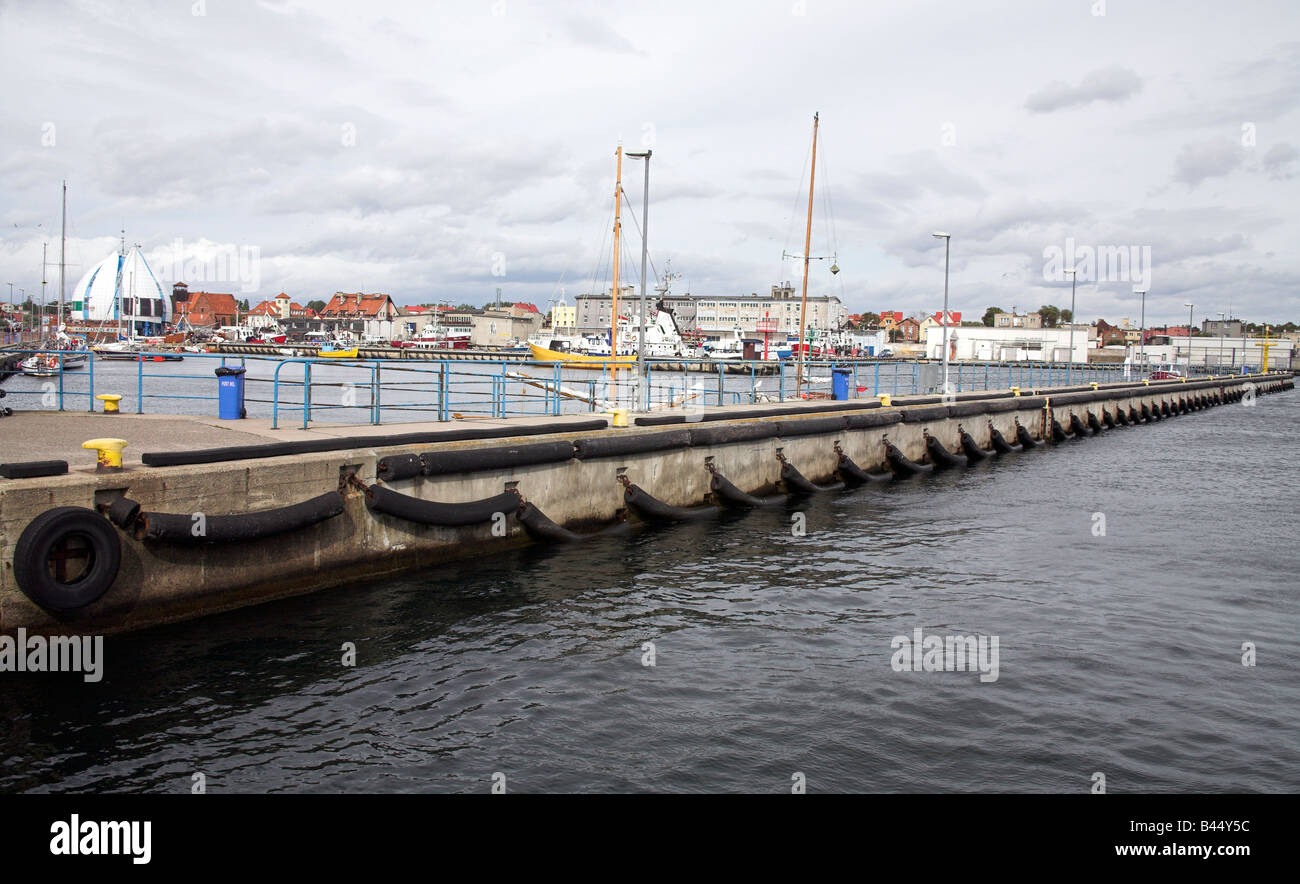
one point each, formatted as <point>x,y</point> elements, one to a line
<point>306,394</point>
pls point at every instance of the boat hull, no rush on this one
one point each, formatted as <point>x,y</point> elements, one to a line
<point>579,360</point>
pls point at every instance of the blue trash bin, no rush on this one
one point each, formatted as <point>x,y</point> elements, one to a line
<point>230,392</point>
<point>840,383</point>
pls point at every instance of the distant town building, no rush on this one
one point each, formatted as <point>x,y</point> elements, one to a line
<point>367,316</point>
<point>1017,320</point>
<point>1232,328</point>
<point>208,310</point>
<point>1011,344</point>
<point>719,315</point>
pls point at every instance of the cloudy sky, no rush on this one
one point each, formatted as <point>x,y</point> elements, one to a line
<point>442,150</point>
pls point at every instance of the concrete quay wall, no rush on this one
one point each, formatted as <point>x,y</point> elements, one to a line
<point>160,582</point>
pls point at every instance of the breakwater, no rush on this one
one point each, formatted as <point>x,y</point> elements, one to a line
<point>213,530</point>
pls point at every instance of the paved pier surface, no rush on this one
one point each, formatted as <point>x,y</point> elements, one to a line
<point>54,435</point>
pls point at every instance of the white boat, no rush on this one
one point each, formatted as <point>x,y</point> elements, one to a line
<point>729,347</point>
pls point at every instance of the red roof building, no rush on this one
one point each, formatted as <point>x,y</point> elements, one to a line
<point>207,310</point>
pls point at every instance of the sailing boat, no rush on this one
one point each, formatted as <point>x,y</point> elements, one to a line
<point>63,353</point>
<point>802,351</point>
<point>583,360</point>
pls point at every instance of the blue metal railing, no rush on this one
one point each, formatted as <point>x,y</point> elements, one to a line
<point>378,390</point>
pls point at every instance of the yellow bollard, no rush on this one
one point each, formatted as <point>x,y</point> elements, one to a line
<point>1015,391</point>
<point>110,401</point>
<point>108,453</point>
<point>1093,385</point>
<point>618,417</point>
<point>884,399</point>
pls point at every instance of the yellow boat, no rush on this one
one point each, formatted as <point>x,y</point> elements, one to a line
<point>580,360</point>
<point>335,353</point>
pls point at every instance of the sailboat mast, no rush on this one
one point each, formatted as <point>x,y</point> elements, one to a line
<point>807,252</point>
<point>618,205</point>
<point>63,248</point>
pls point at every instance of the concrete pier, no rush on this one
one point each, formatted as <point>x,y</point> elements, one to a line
<point>160,582</point>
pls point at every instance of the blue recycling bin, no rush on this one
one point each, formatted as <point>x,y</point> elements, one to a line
<point>230,392</point>
<point>840,383</point>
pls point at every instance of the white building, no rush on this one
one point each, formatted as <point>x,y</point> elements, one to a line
<point>122,287</point>
<point>1222,355</point>
<point>983,344</point>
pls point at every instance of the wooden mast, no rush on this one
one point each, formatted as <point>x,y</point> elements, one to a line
<point>807,250</point>
<point>618,205</point>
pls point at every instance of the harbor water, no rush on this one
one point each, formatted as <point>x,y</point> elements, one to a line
<point>1125,578</point>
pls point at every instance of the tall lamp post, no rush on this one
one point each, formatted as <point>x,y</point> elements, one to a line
<point>1142,345</point>
<point>1189,337</point>
<point>947,241</point>
<point>645,246</point>
<point>1069,366</point>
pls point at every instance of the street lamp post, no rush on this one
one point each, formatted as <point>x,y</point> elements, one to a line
<point>1069,366</point>
<point>1142,345</point>
<point>645,246</point>
<point>1189,338</point>
<point>947,241</point>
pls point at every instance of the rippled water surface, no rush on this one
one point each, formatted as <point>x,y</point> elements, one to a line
<point>1120,654</point>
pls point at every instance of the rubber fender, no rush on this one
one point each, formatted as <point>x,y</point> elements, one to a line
<point>1001,405</point>
<point>800,484</point>
<point>972,448</point>
<point>728,494</point>
<point>852,474</point>
<point>1077,426</point>
<point>469,460</point>
<point>873,419</point>
<point>1024,437</point>
<point>941,457</point>
<point>94,537</point>
<point>1107,419</point>
<point>1001,445</point>
<point>1164,409</point>
<point>1058,433</point>
<point>1094,424</point>
<point>654,510</point>
<point>924,415</point>
<point>123,512</point>
<point>348,443</point>
<point>1071,399</point>
<point>32,469</point>
<point>729,433</point>
<point>539,527</point>
<point>396,467</point>
<point>622,445</point>
<point>917,400</point>
<point>660,420</point>
<point>183,527</point>
<point>1146,413</point>
<point>967,409</point>
<point>1031,403</point>
<point>810,426</point>
<point>1121,417</point>
<point>428,512</point>
<point>900,465</point>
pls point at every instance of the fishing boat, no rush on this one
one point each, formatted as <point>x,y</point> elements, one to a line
<point>571,359</point>
<point>613,357</point>
<point>337,350</point>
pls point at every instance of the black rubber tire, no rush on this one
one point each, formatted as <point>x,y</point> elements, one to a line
<point>31,557</point>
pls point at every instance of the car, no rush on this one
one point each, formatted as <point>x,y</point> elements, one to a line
<point>885,354</point>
